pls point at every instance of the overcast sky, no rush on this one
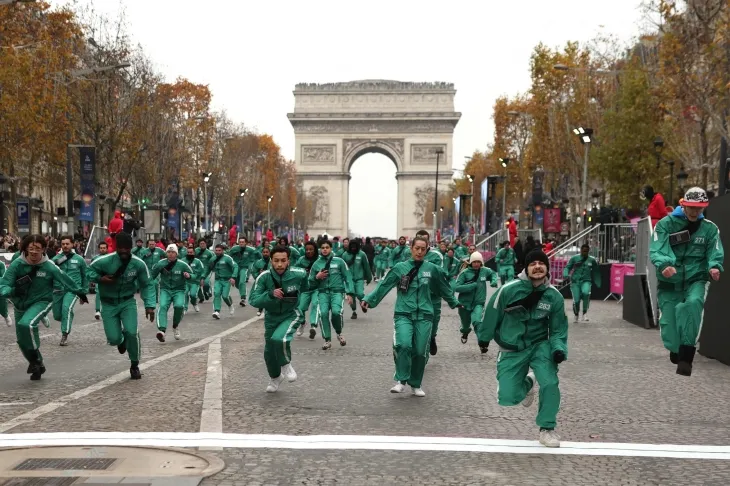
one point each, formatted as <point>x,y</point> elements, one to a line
<point>252,53</point>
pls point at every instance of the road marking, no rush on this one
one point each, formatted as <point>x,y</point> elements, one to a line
<point>211,418</point>
<point>361,442</point>
<point>13,404</point>
<point>124,375</point>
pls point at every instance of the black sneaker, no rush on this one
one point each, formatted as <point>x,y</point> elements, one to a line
<point>122,348</point>
<point>364,310</point>
<point>312,333</point>
<point>161,336</point>
<point>483,348</point>
<point>64,339</point>
<point>354,315</point>
<point>36,370</point>
<point>242,303</point>
<point>464,337</point>
<point>433,349</point>
<point>134,372</point>
<point>674,358</point>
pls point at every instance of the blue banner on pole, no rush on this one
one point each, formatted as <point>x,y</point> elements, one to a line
<point>172,217</point>
<point>23,212</point>
<point>88,183</point>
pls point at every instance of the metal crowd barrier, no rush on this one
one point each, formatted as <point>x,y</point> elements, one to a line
<point>617,243</point>
<point>97,235</point>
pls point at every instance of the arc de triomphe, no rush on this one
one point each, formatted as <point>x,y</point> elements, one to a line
<point>336,123</point>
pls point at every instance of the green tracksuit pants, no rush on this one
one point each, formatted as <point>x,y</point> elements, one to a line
<point>380,268</point>
<point>26,329</point>
<point>63,309</point>
<point>334,303</point>
<point>513,384</point>
<point>204,290</point>
<point>4,307</point>
<point>682,314</point>
<point>410,349</point>
<point>436,299</point>
<point>309,300</point>
<point>277,337</point>
<point>470,318</point>
<point>221,290</point>
<point>177,299</point>
<point>581,291</point>
<point>97,302</point>
<point>359,286</point>
<point>506,274</point>
<point>157,291</point>
<point>120,324</point>
<point>241,283</point>
<point>191,296</point>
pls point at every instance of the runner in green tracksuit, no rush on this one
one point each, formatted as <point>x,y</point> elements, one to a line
<point>382,255</point>
<point>150,256</point>
<point>585,274</point>
<point>359,265</point>
<point>417,281</point>
<point>225,270</point>
<point>244,256</point>
<point>103,250</point>
<point>472,288</point>
<point>260,249</point>
<point>278,291</point>
<point>336,245</point>
<point>309,299</point>
<point>174,277</point>
<point>526,318</point>
<point>191,296</point>
<point>293,252</point>
<point>685,264</point>
<point>74,266</point>
<point>118,276</point>
<point>206,256</point>
<point>3,301</point>
<point>341,248</point>
<point>333,281</point>
<point>460,252</point>
<point>29,282</point>
<point>506,259</point>
<point>451,264</point>
<point>139,248</point>
<point>259,266</point>
<point>400,253</point>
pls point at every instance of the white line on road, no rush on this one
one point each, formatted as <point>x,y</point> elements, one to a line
<point>211,418</point>
<point>60,402</point>
<point>13,404</point>
<point>360,442</point>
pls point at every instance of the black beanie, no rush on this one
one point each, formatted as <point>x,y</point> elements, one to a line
<point>535,256</point>
<point>124,240</point>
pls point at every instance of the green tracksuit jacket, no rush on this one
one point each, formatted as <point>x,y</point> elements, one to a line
<point>339,280</point>
<point>204,256</point>
<point>472,286</point>
<point>359,266</point>
<point>583,270</point>
<point>151,257</point>
<point>172,279</point>
<point>74,266</point>
<point>40,289</point>
<point>461,252</point>
<point>382,253</point>
<point>244,256</point>
<point>505,259</point>
<point>293,281</point>
<point>259,266</point>
<point>224,267</point>
<point>138,251</point>
<point>400,253</point>
<point>126,285</point>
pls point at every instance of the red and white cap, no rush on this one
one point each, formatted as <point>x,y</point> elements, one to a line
<point>695,197</point>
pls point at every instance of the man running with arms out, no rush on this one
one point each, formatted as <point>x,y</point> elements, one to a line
<point>278,291</point>
<point>333,281</point>
<point>29,282</point>
<point>417,281</point>
<point>585,273</point>
<point>194,283</point>
<point>359,265</point>
<point>224,268</point>
<point>150,257</point>
<point>472,288</point>
<point>526,318</point>
<point>506,260</point>
<point>174,276</point>
<point>118,275</point>
<point>206,256</point>
<point>103,250</point>
<point>687,253</point>
<point>74,266</point>
<point>244,256</point>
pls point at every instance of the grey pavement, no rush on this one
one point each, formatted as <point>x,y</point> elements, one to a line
<point>617,386</point>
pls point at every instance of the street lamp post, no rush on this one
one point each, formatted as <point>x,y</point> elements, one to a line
<point>439,152</point>
<point>268,211</point>
<point>243,196</point>
<point>206,178</point>
<point>293,236</point>
<point>681,179</point>
<point>504,163</point>
<point>658,149</point>
<point>471,205</point>
<point>441,224</point>
<point>101,198</point>
<point>586,137</point>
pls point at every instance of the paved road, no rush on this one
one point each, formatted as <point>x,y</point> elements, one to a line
<point>618,387</point>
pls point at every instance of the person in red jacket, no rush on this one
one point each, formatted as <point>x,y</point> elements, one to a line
<point>512,228</point>
<point>116,225</point>
<point>233,235</point>
<point>657,207</point>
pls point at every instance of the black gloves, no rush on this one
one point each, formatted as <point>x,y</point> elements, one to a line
<point>82,297</point>
<point>558,357</point>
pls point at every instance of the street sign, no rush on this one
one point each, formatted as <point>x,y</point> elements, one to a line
<point>23,213</point>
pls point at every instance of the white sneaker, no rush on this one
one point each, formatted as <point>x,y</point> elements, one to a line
<point>274,384</point>
<point>530,397</point>
<point>576,318</point>
<point>197,309</point>
<point>232,311</point>
<point>258,314</point>
<point>549,438</point>
<point>288,372</point>
<point>176,333</point>
<point>300,331</point>
<point>398,388</point>
<point>9,321</point>
<point>97,316</point>
<point>216,315</point>
<point>585,318</point>
<point>419,392</point>
<point>46,322</point>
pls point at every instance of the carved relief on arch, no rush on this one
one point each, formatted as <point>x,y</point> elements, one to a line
<point>394,146</point>
<point>320,200</point>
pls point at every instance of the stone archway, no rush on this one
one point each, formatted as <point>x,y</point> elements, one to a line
<point>334,124</point>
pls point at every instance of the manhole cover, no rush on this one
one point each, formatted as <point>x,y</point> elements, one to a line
<point>64,464</point>
<point>40,482</point>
